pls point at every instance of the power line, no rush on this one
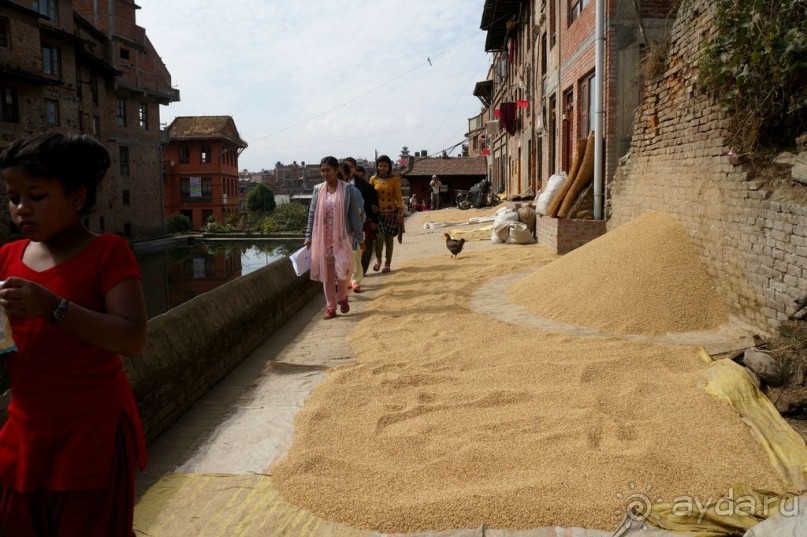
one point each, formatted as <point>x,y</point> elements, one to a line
<point>371,90</point>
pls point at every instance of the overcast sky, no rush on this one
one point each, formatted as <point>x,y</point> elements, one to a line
<point>304,79</point>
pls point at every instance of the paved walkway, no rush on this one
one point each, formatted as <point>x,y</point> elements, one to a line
<point>246,422</point>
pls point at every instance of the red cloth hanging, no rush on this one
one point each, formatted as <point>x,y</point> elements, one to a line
<point>507,117</point>
<point>496,112</point>
<point>522,103</point>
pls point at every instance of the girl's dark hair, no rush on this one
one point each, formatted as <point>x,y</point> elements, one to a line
<point>75,160</point>
<point>384,158</point>
<point>329,161</point>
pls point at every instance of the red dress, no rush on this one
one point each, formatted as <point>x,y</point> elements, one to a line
<point>70,401</point>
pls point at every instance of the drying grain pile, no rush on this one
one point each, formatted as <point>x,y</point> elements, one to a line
<point>449,419</point>
<point>641,278</point>
<point>452,214</point>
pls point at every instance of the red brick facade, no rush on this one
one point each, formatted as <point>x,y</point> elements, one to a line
<point>543,64</point>
<point>201,163</point>
<point>88,68</point>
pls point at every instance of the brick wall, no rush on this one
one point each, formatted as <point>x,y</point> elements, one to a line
<point>562,235</point>
<point>751,236</point>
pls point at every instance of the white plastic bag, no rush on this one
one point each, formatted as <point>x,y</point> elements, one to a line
<point>553,184</point>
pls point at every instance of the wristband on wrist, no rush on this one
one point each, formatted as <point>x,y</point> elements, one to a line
<point>59,312</point>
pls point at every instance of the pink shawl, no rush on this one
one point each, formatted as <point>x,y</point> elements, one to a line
<point>342,248</point>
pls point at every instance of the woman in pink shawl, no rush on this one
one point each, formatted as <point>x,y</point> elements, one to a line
<point>334,219</point>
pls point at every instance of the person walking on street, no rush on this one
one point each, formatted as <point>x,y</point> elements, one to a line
<point>346,171</point>
<point>390,211</point>
<point>435,185</point>
<point>334,222</point>
<point>371,214</point>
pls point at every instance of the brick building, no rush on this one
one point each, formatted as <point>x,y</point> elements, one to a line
<point>538,96</point>
<point>201,168</point>
<point>80,66</point>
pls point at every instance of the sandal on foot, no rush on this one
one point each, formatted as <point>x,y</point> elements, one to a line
<point>386,268</point>
<point>357,289</point>
<point>377,266</point>
<point>343,306</point>
<point>330,313</point>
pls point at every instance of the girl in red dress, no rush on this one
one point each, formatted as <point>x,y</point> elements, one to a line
<point>75,302</point>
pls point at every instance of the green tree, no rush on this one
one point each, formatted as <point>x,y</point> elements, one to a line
<point>261,199</point>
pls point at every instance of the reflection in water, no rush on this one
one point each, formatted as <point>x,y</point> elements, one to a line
<point>175,276</point>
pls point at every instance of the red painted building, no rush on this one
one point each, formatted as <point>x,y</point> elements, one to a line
<point>201,168</point>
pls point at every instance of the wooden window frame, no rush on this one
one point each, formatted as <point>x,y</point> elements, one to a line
<point>143,116</point>
<point>48,8</point>
<point>9,105</point>
<point>184,154</point>
<point>52,112</point>
<point>576,8</point>
<point>124,161</point>
<point>586,105</point>
<point>51,60</point>
<point>5,31</point>
<point>120,112</point>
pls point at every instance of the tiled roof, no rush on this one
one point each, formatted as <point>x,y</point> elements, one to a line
<point>445,167</point>
<point>196,127</point>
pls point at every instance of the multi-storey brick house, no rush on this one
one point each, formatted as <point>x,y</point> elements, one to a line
<point>80,66</point>
<point>201,163</point>
<point>539,91</point>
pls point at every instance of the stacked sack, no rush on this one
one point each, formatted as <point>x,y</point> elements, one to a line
<point>513,226</point>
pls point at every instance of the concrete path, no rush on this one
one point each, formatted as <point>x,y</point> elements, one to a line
<point>246,422</point>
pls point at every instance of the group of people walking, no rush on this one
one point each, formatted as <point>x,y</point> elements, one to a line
<point>349,220</point>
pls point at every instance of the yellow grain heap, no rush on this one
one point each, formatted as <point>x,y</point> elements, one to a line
<point>644,277</point>
<point>451,419</point>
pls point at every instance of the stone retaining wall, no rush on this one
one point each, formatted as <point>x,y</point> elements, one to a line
<point>193,346</point>
<point>751,232</point>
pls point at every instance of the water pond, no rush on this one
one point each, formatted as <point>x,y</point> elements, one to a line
<point>183,272</point>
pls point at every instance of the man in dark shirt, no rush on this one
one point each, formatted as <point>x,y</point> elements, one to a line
<point>359,180</point>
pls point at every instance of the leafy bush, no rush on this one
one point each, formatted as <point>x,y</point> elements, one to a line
<point>178,223</point>
<point>756,66</point>
<point>214,227</point>
<point>287,216</point>
<point>261,199</point>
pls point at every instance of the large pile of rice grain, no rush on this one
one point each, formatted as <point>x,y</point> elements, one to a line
<point>450,419</point>
<point>644,277</point>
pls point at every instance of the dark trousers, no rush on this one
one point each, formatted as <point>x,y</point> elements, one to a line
<point>369,246</point>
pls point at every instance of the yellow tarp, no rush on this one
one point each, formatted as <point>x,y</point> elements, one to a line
<point>226,505</point>
<point>741,507</point>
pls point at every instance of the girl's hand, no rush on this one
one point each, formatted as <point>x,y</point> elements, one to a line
<point>24,298</point>
<point>307,244</point>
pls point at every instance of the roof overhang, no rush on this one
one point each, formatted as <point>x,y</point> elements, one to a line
<point>484,91</point>
<point>495,15</point>
<point>30,78</point>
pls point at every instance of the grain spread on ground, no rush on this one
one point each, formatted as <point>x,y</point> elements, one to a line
<point>641,278</point>
<point>450,419</point>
